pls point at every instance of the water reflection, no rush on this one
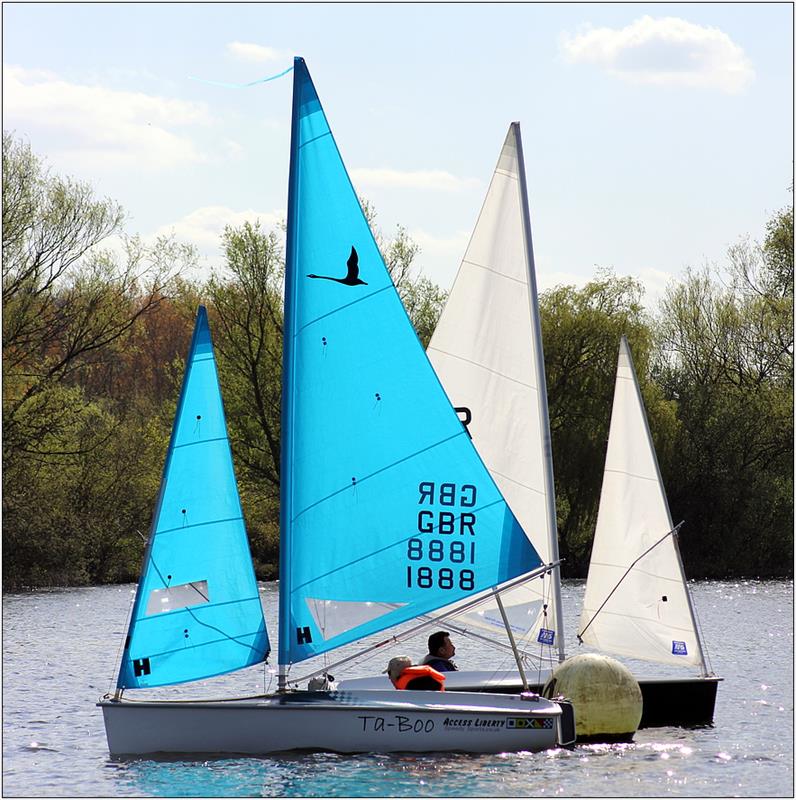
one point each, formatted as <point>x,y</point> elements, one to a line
<point>58,657</point>
<point>337,775</point>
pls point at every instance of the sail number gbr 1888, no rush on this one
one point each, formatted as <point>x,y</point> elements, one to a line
<point>442,555</point>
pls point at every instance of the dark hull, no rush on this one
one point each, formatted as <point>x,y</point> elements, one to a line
<point>677,702</point>
<point>683,702</point>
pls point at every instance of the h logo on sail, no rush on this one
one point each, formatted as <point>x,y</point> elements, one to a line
<point>141,667</point>
<point>303,635</point>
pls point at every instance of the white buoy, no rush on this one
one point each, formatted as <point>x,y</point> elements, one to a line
<point>605,695</point>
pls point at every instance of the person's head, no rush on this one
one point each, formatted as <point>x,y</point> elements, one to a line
<point>440,645</point>
<point>396,666</point>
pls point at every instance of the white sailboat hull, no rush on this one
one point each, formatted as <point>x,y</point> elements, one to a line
<point>668,701</point>
<point>338,721</point>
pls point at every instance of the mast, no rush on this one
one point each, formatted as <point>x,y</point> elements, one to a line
<point>288,334</point>
<point>552,525</point>
<point>624,345</point>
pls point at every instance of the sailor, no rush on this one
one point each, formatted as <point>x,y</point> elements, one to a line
<point>404,676</point>
<point>440,652</point>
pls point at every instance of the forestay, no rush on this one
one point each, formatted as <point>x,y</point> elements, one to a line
<point>646,612</point>
<point>197,610</point>
<point>486,351</point>
<point>387,510</point>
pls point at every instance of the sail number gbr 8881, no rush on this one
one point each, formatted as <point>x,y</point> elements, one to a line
<point>445,543</point>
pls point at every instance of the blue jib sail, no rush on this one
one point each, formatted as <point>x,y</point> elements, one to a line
<point>387,510</point>
<point>197,611</point>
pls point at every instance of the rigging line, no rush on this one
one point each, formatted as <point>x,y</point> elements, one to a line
<point>461,630</point>
<point>505,648</point>
<point>240,85</point>
<point>209,643</point>
<point>118,660</point>
<point>147,618</point>
<point>429,622</point>
<point>547,589</point>
<point>511,639</point>
<point>627,572</point>
<point>264,653</point>
<point>201,594</point>
<point>708,665</point>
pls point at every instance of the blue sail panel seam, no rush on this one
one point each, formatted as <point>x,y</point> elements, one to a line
<point>378,472</point>
<point>201,441</point>
<point>210,643</point>
<point>177,611</point>
<point>314,139</point>
<point>189,526</point>
<point>341,308</point>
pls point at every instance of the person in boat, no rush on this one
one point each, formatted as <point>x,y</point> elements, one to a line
<point>440,652</point>
<point>405,676</point>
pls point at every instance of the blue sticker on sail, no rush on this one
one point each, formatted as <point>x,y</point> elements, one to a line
<point>546,636</point>
<point>387,511</point>
<point>679,649</point>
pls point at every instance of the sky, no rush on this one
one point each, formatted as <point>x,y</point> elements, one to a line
<point>656,135</point>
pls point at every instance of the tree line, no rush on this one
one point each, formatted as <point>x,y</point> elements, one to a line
<point>96,325</point>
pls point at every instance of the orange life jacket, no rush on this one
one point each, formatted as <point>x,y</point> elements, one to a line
<point>420,671</point>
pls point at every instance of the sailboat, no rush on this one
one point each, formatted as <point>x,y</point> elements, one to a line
<point>637,602</point>
<point>387,514</point>
<point>487,351</point>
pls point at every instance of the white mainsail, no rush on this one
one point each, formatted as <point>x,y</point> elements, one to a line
<point>487,352</point>
<point>636,602</point>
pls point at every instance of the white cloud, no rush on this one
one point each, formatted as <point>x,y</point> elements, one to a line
<point>203,227</point>
<point>434,180</point>
<point>667,51</point>
<point>246,51</point>
<point>97,126</point>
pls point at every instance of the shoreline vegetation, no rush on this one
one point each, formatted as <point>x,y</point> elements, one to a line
<point>96,324</point>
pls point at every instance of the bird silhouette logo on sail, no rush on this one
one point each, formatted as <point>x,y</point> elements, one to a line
<point>352,276</point>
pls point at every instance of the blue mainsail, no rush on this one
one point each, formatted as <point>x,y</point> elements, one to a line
<point>387,512</point>
<point>197,611</point>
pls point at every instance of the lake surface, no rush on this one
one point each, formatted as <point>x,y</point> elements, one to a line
<point>60,655</point>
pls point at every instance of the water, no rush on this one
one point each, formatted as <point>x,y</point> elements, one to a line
<point>59,656</point>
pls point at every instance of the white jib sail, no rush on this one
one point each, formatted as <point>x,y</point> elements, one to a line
<point>649,614</point>
<point>486,351</point>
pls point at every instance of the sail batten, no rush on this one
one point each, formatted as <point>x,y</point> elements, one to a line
<point>388,513</point>
<point>197,576</point>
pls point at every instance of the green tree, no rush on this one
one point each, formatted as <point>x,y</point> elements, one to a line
<point>246,301</point>
<point>581,329</point>
<point>422,298</point>
<point>726,358</point>
<point>70,313</point>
